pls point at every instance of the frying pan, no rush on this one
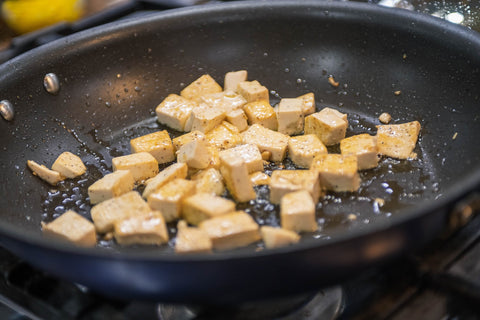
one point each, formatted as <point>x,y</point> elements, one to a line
<point>113,76</point>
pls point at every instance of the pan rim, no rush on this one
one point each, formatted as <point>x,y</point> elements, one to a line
<point>451,195</point>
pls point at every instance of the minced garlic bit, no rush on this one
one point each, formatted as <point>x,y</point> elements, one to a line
<point>404,56</point>
<point>379,201</point>
<point>455,136</point>
<point>397,93</point>
<point>385,118</point>
<point>332,81</point>
<point>351,217</point>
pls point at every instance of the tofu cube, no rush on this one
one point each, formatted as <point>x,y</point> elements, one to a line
<point>203,85</point>
<point>235,174</point>
<point>195,154</point>
<point>110,186</point>
<point>290,116</point>
<point>69,165</point>
<point>174,171</point>
<point>302,149</point>
<point>364,147</point>
<point>168,198</point>
<point>158,144</point>
<point>308,105</point>
<point>278,237</point>
<point>297,212</point>
<point>203,206</point>
<point>253,91</point>
<point>204,118</point>
<point>267,140</point>
<point>73,228</point>
<point>337,172</point>
<point>209,181</point>
<point>226,100</point>
<point>238,118</point>
<point>142,165</point>
<point>147,229</point>
<point>50,176</point>
<point>232,79</point>
<point>174,111</point>
<point>329,125</point>
<point>179,141</point>
<point>398,140</point>
<point>106,213</point>
<point>224,136</point>
<point>287,181</point>
<point>231,230</point>
<point>262,113</point>
<point>248,153</point>
<point>260,178</point>
<point>191,240</point>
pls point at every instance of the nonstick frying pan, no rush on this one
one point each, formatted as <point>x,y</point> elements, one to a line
<point>413,66</point>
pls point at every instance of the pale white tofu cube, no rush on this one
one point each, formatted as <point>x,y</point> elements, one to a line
<point>267,140</point>
<point>235,173</point>
<point>260,178</point>
<point>142,165</point>
<point>398,140</point>
<point>174,111</point>
<point>226,100</point>
<point>174,171</point>
<point>147,229</point>
<point>73,228</point>
<point>158,144</point>
<point>210,181</point>
<point>297,212</point>
<point>253,91</point>
<point>262,113</point>
<point>290,116</point>
<point>233,78</point>
<point>69,165</point>
<point>41,171</point>
<point>203,206</point>
<point>204,118</point>
<point>329,125</point>
<point>238,118</point>
<point>278,237</point>
<point>308,105</point>
<point>195,154</point>
<point>168,198</point>
<point>107,212</point>
<point>224,136</point>
<point>231,230</point>
<point>287,181</point>
<point>110,186</point>
<point>364,147</point>
<point>302,149</point>
<point>337,172</point>
<point>179,141</point>
<point>202,86</point>
<point>191,240</point>
<point>248,153</point>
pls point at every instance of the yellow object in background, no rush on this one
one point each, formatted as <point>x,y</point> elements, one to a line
<point>24,16</point>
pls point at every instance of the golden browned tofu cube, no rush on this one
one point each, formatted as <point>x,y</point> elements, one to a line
<point>302,149</point>
<point>308,105</point>
<point>174,111</point>
<point>202,86</point>
<point>202,206</point>
<point>192,240</point>
<point>238,118</point>
<point>233,78</point>
<point>235,173</point>
<point>142,165</point>
<point>158,144</point>
<point>231,230</point>
<point>107,212</point>
<point>260,178</point>
<point>398,140</point>
<point>290,116</point>
<point>267,140</point>
<point>174,171</point>
<point>248,153</point>
<point>210,181</point>
<point>41,171</point>
<point>195,154</point>
<point>278,237</point>
<point>226,100</point>
<point>337,172</point>
<point>286,181</point>
<point>364,147</point>
<point>168,199</point>
<point>297,212</point>
<point>73,228</point>
<point>329,125</point>
<point>253,91</point>
<point>224,136</point>
<point>204,118</point>
<point>262,113</point>
<point>179,141</point>
<point>69,165</point>
<point>110,186</point>
<point>148,229</point>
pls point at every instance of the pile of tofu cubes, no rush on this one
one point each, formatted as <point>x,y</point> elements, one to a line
<point>229,134</point>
